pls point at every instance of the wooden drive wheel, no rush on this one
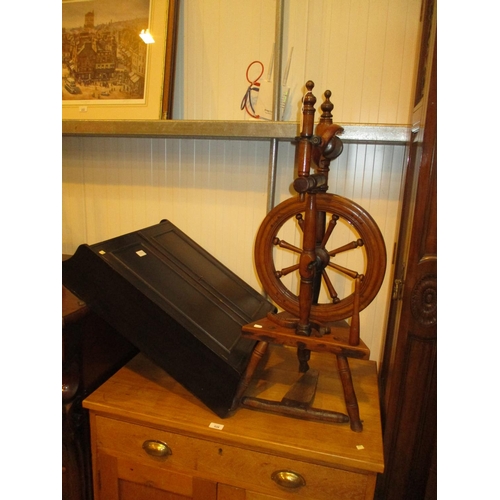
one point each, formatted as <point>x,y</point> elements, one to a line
<point>351,235</point>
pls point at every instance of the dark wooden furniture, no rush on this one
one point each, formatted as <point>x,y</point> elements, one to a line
<point>176,303</point>
<point>152,439</point>
<point>408,376</point>
<point>91,352</point>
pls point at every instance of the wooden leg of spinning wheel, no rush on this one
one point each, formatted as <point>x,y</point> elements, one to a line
<point>303,355</point>
<point>354,330</point>
<point>258,353</point>
<point>351,401</point>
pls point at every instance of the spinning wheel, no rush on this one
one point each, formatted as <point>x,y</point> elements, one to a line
<point>367,242</point>
<point>321,258</point>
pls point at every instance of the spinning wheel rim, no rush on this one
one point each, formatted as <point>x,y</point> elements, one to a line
<point>358,219</point>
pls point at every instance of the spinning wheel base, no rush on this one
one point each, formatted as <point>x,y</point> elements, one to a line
<point>296,411</point>
<point>336,342</point>
<point>298,401</point>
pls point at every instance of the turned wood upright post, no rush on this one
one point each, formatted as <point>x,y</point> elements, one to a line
<point>304,148</point>
<point>308,257</point>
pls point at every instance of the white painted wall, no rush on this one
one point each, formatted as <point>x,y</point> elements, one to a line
<point>362,50</point>
<point>216,190</point>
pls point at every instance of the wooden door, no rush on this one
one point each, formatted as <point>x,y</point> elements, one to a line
<point>118,478</point>
<point>408,371</point>
<point>123,479</point>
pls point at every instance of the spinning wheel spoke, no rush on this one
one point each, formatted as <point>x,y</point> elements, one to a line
<point>329,229</point>
<point>344,248</point>
<point>332,253</point>
<point>288,246</point>
<point>344,270</point>
<point>331,289</point>
<point>287,270</point>
<point>300,220</point>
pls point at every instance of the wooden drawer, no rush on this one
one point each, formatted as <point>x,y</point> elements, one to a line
<point>228,464</point>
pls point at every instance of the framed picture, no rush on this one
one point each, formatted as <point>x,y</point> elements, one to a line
<point>108,70</point>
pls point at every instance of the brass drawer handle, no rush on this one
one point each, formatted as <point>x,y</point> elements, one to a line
<point>156,448</point>
<point>288,479</point>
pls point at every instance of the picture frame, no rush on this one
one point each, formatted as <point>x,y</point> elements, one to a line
<point>108,72</point>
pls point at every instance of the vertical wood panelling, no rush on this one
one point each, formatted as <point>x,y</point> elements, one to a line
<point>212,190</point>
<point>371,176</point>
<point>74,217</point>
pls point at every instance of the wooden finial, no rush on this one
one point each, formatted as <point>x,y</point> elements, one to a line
<point>331,146</point>
<point>327,108</point>
<point>309,99</point>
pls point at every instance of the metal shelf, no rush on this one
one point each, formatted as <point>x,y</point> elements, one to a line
<point>218,129</point>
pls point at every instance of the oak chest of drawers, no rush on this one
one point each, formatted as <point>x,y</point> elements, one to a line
<point>151,439</point>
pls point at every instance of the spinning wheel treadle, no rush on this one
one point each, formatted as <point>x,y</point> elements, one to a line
<point>341,255</point>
